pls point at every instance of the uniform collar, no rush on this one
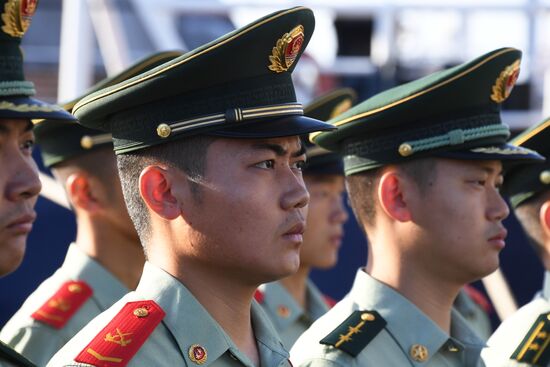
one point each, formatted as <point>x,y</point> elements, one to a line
<point>402,316</point>
<point>285,310</point>
<point>546,285</point>
<point>107,289</point>
<point>197,327</point>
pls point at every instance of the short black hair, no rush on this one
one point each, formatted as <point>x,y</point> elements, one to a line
<point>362,186</point>
<point>188,155</point>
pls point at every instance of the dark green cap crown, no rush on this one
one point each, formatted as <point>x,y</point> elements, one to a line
<point>15,91</point>
<point>60,140</point>
<point>319,160</point>
<point>524,182</point>
<point>236,86</point>
<point>453,113</point>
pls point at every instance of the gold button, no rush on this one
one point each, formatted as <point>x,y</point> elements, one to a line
<point>405,150</point>
<point>164,130</point>
<point>545,177</point>
<point>419,353</point>
<point>75,288</point>
<point>86,142</point>
<point>283,311</point>
<point>367,316</point>
<point>141,312</point>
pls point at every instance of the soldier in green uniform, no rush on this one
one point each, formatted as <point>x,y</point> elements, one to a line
<point>523,338</point>
<point>19,181</point>
<point>210,161</point>
<point>475,308</point>
<point>423,166</point>
<point>294,302</point>
<point>106,259</point>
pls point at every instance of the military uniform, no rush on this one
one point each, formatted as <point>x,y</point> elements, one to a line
<point>523,338</point>
<point>475,312</point>
<point>514,339</point>
<point>239,87</point>
<point>186,336</point>
<point>451,114</point>
<point>288,317</point>
<point>393,332</point>
<point>32,333</point>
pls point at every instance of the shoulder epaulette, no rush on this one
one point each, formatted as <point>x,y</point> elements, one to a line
<point>534,347</point>
<point>120,340</point>
<point>15,359</point>
<point>356,332</point>
<point>68,299</point>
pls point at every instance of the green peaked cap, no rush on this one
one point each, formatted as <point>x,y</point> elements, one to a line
<point>452,113</point>
<point>319,160</point>
<point>237,86</point>
<point>61,140</point>
<point>524,182</point>
<point>15,91</point>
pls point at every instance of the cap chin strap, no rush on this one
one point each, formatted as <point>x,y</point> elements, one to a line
<point>453,137</point>
<point>17,88</point>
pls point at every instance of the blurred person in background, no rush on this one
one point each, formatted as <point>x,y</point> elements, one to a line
<point>523,338</point>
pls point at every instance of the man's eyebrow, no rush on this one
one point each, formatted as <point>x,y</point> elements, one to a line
<point>279,150</point>
<point>299,152</point>
<point>491,170</point>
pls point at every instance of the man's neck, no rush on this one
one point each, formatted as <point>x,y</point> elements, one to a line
<point>111,248</point>
<point>225,299</point>
<point>431,294</point>
<point>296,285</point>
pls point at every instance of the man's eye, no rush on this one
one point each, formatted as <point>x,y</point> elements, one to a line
<point>269,164</point>
<point>300,165</point>
<point>28,145</point>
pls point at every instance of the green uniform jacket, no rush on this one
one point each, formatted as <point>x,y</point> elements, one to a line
<point>514,334</point>
<point>288,317</point>
<point>396,332</point>
<point>38,341</point>
<point>186,326</point>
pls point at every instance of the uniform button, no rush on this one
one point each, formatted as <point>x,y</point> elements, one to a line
<point>367,316</point>
<point>141,312</point>
<point>419,353</point>
<point>283,311</point>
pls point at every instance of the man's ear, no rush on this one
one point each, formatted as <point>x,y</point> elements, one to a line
<point>544,218</point>
<point>81,195</point>
<point>391,196</point>
<point>155,187</point>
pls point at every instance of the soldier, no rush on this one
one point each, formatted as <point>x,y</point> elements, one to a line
<point>294,302</point>
<point>210,161</point>
<point>106,259</point>
<point>19,181</point>
<point>523,338</point>
<point>423,166</point>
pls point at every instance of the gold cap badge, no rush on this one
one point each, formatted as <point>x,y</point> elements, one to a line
<point>505,82</point>
<point>17,15</point>
<point>286,50</point>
